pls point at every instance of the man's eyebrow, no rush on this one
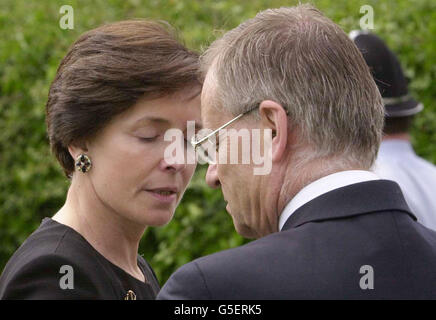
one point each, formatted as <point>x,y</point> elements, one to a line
<point>198,125</point>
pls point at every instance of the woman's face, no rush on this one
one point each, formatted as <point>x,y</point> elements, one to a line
<point>129,174</point>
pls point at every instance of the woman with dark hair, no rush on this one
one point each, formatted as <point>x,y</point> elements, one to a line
<point>116,92</point>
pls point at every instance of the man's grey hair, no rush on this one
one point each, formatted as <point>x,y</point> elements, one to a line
<point>300,59</point>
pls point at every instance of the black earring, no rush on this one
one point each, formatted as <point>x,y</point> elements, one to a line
<point>83,163</point>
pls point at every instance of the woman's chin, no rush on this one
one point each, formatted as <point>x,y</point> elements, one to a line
<point>157,219</point>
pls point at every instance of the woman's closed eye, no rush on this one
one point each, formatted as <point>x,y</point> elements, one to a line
<point>149,139</point>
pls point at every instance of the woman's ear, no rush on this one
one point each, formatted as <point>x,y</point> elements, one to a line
<point>273,116</point>
<point>77,148</point>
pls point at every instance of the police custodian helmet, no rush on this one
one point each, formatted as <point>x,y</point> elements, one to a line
<point>387,73</point>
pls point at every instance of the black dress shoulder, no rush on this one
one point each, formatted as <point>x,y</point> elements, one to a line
<point>56,262</point>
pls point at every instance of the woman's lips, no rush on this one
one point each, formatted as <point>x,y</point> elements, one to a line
<point>162,195</point>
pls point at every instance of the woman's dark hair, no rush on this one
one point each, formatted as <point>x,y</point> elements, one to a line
<point>106,71</point>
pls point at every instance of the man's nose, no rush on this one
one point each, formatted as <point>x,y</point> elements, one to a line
<point>212,176</point>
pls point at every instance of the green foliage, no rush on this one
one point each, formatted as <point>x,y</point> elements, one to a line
<point>32,44</point>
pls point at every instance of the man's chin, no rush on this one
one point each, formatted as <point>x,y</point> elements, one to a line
<point>245,231</point>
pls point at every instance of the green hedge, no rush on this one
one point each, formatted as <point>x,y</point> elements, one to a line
<point>32,44</point>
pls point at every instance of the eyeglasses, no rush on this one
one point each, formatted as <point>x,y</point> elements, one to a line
<point>206,147</point>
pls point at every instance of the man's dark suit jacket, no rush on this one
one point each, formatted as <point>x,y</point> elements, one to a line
<point>327,249</point>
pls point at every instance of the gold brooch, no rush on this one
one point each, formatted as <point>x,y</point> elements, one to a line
<point>130,295</point>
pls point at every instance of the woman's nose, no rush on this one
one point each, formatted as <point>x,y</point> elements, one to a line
<point>175,166</point>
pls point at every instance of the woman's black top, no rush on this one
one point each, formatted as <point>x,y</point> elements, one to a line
<point>56,262</point>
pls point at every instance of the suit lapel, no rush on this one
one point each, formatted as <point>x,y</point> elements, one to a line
<point>356,199</point>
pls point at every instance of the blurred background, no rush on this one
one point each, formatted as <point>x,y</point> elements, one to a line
<point>32,44</point>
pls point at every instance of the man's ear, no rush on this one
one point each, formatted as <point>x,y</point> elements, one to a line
<point>273,116</point>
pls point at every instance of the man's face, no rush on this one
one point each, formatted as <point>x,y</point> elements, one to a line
<point>243,191</point>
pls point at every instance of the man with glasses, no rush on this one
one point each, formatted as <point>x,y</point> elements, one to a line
<point>206,147</point>
<point>326,226</point>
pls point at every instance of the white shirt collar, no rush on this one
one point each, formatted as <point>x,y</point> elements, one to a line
<point>324,185</point>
